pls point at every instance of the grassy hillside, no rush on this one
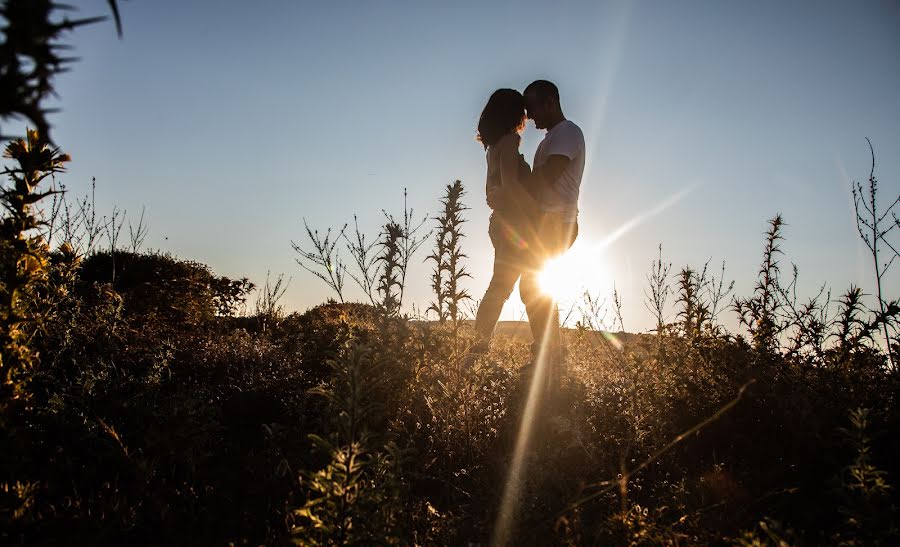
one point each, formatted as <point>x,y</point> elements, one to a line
<point>155,420</point>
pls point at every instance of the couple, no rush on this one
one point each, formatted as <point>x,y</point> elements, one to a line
<point>534,209</point>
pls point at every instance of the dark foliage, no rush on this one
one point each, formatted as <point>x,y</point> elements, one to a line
<point>162,422</point>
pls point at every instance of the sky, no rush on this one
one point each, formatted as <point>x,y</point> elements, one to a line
<point>231,122</point>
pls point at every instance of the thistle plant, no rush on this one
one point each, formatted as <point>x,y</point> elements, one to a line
<point>448,269</point>
<point>30,57</point>
<point>856,327</point>
<point>810,323</point>
<point>440,305</point>
<point>869,515</point>
<point>390,280</point>
<point>24,257</point>
<point>409,240</point>
<point>699,295</point>
<point>694,311</point>
<point>851,329</point>
<point>759,313</point>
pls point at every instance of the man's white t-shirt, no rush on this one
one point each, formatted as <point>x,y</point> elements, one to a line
<point>561,195</point>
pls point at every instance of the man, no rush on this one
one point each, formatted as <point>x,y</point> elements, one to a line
<point>556,182</point>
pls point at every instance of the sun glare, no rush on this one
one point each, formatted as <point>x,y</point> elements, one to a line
<point>567,277</point>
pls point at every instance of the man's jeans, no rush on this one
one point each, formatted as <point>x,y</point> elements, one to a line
<point>518,255</point>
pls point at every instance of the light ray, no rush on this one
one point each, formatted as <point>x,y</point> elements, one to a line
<point>611,53</point>
<point>640,218</point>
<point>512,489</point>
<point>851,213</point>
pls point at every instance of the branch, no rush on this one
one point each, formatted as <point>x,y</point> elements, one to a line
<point>612,483</point>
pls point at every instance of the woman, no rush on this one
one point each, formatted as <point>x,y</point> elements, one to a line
<point>514,209</point>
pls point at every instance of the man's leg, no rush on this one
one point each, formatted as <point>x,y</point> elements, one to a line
<point>543,314</point>
<point>564,235</point>
<point>539,307</point>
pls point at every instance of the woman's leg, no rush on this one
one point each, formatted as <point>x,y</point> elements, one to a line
<point>507,269</point>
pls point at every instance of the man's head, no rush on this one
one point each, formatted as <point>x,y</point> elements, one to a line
<point>542,104</point>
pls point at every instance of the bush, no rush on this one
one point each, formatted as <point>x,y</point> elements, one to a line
<point>161,288</point>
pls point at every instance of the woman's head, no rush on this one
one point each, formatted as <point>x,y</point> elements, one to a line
<point>504,113</point>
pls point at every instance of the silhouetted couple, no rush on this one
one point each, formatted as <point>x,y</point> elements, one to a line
<point>535,209</point>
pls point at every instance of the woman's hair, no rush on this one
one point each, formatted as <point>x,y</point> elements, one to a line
<point>504,113</point>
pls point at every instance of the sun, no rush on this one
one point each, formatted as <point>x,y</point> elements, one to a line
<point>567,277</point>
<point>552,278</point>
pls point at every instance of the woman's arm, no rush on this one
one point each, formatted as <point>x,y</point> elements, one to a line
<point>513,172</point>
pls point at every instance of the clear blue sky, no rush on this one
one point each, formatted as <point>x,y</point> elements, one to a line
<point>230,121</point>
